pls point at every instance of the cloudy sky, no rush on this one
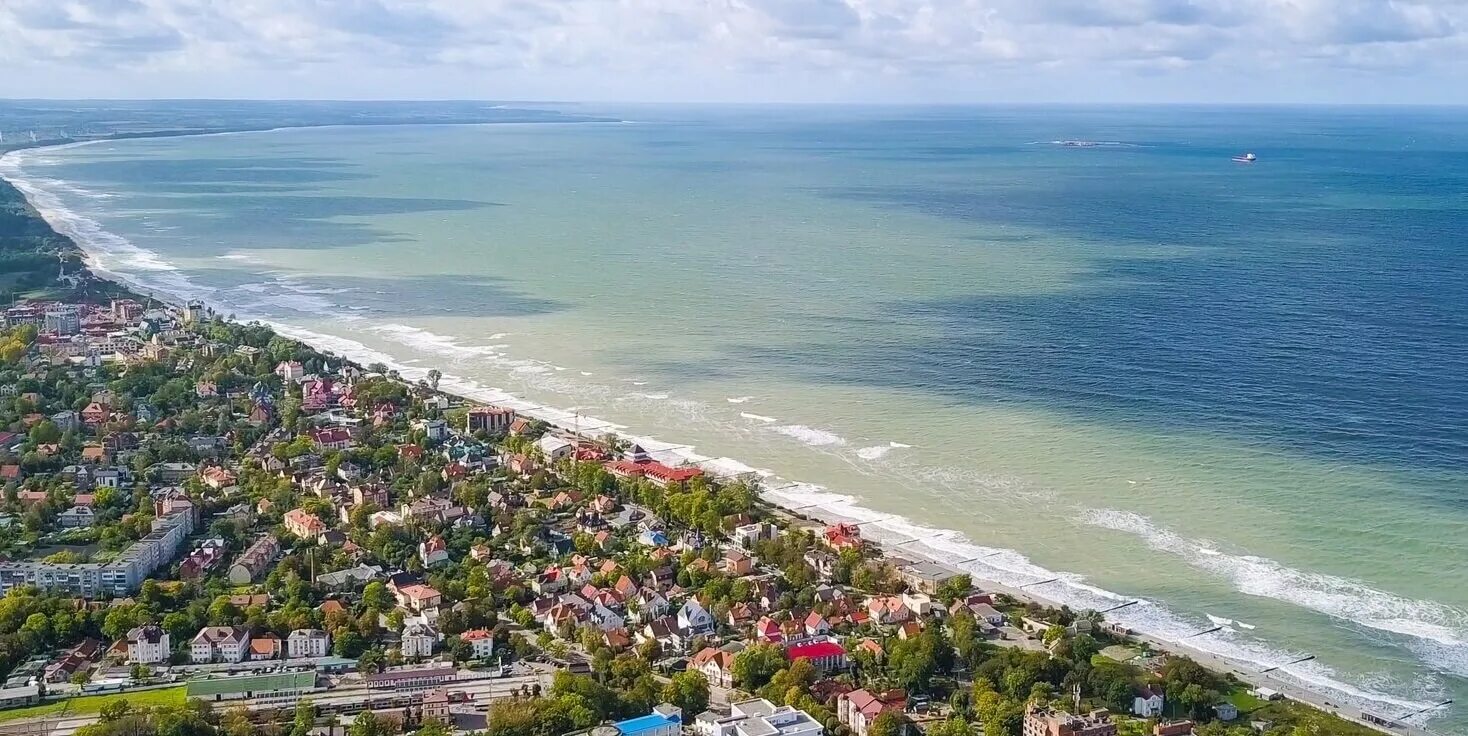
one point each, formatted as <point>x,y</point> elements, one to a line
<point>1377,51</point>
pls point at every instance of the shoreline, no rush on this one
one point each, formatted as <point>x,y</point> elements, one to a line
<point>464,390</point>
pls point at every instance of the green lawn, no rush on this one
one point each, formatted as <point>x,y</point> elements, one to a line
<point>1244,701</point>
<point>87,704</point>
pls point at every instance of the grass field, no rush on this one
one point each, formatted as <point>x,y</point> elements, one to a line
<point>88,704</point>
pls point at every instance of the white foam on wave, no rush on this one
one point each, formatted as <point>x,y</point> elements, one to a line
<point>758,417</point>
<point>1341,598</point>
<point>877,452</point>
<point>1001,566</point>
<point>738,399</point>
<point>811,436</point>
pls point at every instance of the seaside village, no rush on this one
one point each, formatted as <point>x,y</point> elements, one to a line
<point>209,528</point>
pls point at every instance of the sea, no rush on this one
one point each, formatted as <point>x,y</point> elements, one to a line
<point>1039,343</point>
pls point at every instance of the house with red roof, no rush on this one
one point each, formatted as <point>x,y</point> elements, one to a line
<point>888,609</point>
<point>817,625</point>
<point>656,472</point>
<point>331,438</point>
<point>768,630</point>
<point>96,413</point>
<point>481,641</point>
<point>843,536</point>
<point>859,708</point>
<point>216,477</point>
<point>826,654</point>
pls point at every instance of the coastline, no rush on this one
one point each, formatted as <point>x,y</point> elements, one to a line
<point>781,496</point>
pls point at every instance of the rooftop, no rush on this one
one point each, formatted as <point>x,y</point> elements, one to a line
<point>251,683</point>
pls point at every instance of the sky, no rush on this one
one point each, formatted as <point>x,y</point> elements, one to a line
<point>873,51</point>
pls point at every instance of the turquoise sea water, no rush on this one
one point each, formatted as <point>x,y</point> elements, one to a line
<point>1236,391</point>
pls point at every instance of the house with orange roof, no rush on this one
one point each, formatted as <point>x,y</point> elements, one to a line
<point>716,666</point>
<point>303,524</point>
<point>265,646</point>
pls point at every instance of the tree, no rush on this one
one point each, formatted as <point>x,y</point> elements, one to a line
<point>44,433</point>
<point>377,597</point>
<point>954,726</point>
<point>434,727</point>
<point>688,690</point>
<point>113,710</point>
<point>754,666</point>
<point>433,378</point>
<point>889,723</point>
<point>367,724</point>
<point>954,587</point>
<point>348,643</point>
<point>305,718</point>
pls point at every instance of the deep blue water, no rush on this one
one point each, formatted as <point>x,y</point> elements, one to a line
<point>1322,303</point>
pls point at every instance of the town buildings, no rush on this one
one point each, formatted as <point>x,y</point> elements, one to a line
<point>255,560</point>
<point>307,643</point>
<point>481,642</point>
<point>118,577</point>
<point>758,717</point>
<point>1050,722</point>
<point>493,420</point>
<point>147,645</point>
<point>220,644</point>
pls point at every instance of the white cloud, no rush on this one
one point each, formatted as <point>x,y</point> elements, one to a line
<point>725,48</point>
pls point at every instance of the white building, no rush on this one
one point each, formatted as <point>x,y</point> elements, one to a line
<point>758,717</point>
<point>1148,702</point>
<point>554,449</point>
<point>419,641</point>
<point>693,617</point>
<point>481,640</point>
<point>147,645</point>
<point>220,644</point>
<point>307,643</point>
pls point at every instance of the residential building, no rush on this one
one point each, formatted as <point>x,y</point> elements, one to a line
<point>220,644</point>
<point>264,647</point>
<point>1148,701</point>
<point>554,449</point>
<point>290,371</point>
<point>419,640</point>
<point>122,575</point>
<point>927,577</point>
<point>147,645</point>
<point>859,708</point>
<point>481,641</point>
<point>418,597</point>
<point>307,643</point>
<point>76,517</point>
<point>1049,722</point>
<point>433,551</point>
<point>716,666</point>
<point>694,619</point>
<point>303,524</point>
<point>255,560</point>
<point>491,419</point>
<point>758,717</point>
